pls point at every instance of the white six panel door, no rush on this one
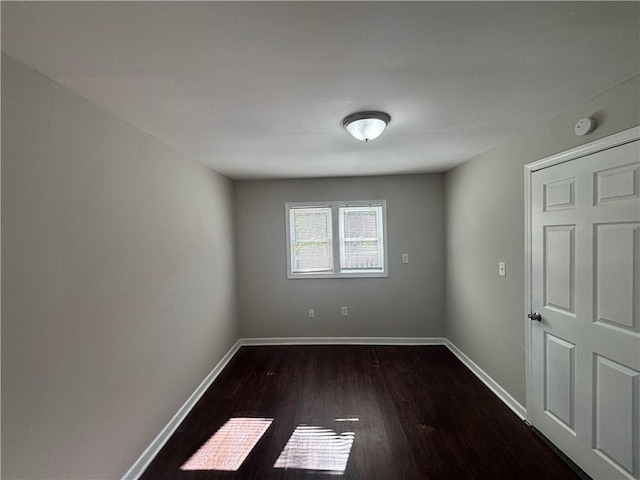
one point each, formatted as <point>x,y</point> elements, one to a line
<point>585,282</point>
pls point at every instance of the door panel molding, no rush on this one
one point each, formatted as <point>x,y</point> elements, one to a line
<point>615,436</point>
<point>560,383</point>
<point>559,268</point>
<point>614,305</point>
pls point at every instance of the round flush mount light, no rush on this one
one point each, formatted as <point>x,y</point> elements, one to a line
<point>366,126</point>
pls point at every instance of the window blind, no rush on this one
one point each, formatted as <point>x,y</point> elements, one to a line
<point>361,238</point>
<point>311,248</point>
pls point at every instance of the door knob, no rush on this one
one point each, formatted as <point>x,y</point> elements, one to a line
<point>535,316</point>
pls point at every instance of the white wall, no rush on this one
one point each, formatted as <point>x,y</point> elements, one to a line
<point>408,303</point>
<point>118,288</point>
<point>485,225</point>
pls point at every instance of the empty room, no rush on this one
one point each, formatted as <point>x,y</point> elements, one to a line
<point>320,240</point>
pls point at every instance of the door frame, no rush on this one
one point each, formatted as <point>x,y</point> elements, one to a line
<point>599,145</point>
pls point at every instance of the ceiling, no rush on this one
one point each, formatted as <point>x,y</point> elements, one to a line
<point>259,89</point>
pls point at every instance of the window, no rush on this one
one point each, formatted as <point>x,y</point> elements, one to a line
<point>336,239</point>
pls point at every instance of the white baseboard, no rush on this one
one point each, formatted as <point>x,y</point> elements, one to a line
<point>494,386</point>
<point>152,450</point>
<point>343,341</point>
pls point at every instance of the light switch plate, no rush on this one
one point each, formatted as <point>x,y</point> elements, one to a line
<point>502,269</point>
<point>405,258</point>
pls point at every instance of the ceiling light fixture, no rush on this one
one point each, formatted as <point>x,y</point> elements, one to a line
<point>366,126</point>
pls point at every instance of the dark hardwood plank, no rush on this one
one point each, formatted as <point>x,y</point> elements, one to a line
<point>421,414</point>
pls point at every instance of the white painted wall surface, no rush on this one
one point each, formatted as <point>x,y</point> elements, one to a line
<point>409,303</point>
<point>485,225</point>
<point>118,288</point>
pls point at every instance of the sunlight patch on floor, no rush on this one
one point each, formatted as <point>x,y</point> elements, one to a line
<point>229,446</point>
<point>317,448</point>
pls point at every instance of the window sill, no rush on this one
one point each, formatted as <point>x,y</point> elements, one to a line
<point>297,276</point>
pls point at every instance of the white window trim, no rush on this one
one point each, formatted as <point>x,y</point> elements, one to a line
<point>334,205</point>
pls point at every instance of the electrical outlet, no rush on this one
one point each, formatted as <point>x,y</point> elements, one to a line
<point>502,269</point>
<point>344,311</point>
<point>312,313</point>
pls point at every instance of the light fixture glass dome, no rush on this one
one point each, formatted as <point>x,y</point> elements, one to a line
<point>366,126</point>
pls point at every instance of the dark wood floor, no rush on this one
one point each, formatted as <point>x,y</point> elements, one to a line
<point>421,415</point>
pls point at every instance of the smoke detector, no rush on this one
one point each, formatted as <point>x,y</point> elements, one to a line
<point>584,126</point>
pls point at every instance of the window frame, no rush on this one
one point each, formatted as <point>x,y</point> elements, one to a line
<point>335,239</point>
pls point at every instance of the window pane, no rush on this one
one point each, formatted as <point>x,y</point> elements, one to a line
<point>312,257</point>
<point>361,255</point>
<point>361,242</point>
<point>312,223</point>
<point>360,223</point>
<point>311,248</point>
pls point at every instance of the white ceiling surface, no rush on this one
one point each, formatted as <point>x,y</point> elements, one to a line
<point>258,90</point>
